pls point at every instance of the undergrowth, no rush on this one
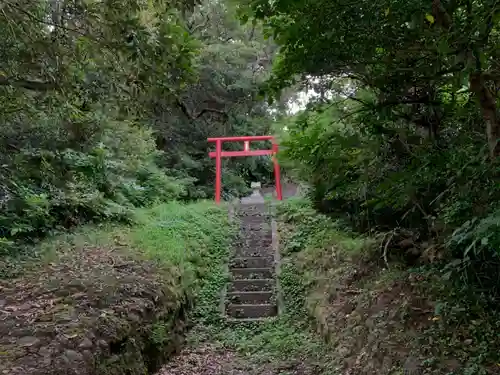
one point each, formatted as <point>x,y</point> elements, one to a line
<point>190,240</point>
<point>145,283</point>
<point>286,341</point>
<point>385,315</point>
<point>194,238</point>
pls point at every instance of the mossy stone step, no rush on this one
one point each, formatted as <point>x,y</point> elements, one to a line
<point>251,273</point>
<point>247,253</point>
<point>247,298</point>
<point>251,285</point>
<point>252,262</point>
<point>252,311</point>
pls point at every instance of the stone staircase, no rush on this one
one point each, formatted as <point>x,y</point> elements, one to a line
<point>251,295</point>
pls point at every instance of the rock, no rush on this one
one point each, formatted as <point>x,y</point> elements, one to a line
<point>134,318</point>
<point>28,341</point>
<point>79,295</point>
<point>102,344</point>
<point>411,366</point>
<point>71,356</point>
<point>86,344</point>
<point>64,318</point>
<point>343,351</point>
<point>88,356</point>
<point>45,331</point>
<point>24,307</point>
<point>62,339</point>
<point>46,353</point>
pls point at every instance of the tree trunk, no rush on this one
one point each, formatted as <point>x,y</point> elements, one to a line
<point>489,111</point>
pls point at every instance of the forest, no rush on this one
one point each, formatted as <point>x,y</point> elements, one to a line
<point>106,107</point>
<point>404,138</point>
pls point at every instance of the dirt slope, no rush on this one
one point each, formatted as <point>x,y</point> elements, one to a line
<point>90,308</point>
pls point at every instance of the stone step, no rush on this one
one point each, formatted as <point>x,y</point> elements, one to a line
<point>251,273</point>
<point>249,297</point>
<point>252,262</point>
<point>258,224</point>
<point>247,321</point>
<point>252,311</point>
<point>252,253</point>
<point>249,285</point>
<point>257,242</point>
<point>255,218</point>
<point>256,227</point>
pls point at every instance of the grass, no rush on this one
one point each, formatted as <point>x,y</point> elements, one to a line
<point>193,238</point>
<point>282,342</point>
<point>189,237</point>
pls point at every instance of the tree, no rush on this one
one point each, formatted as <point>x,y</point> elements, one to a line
<point>410,54</point>
<point>76,79</point>
<point>106,105</point>
<point>234,60</point>
<point>408,141</point>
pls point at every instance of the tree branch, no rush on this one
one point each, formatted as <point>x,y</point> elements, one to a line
<point>192,28</point>
<point>193,116</point>
<point>28,84</point>
<point>36,19</point>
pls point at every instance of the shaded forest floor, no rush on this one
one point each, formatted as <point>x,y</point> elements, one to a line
<point>106,299</point>
<point>377,315</point>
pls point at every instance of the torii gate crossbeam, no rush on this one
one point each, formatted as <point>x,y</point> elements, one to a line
<point>219,154</point>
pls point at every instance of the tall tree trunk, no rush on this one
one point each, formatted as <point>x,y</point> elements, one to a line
<point>487,103</point>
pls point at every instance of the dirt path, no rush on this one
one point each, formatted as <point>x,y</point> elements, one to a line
<point>210,360</point>
<point>288,190</point>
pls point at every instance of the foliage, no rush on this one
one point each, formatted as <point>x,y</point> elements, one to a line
<point>106,106</point>
<point>415,57</point>
<point>405,138</point>
<point>233,60</point>
<point>364,309</point>
<point>72,145</point>
<point>444,198</point>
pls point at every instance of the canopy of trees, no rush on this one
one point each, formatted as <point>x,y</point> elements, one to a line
<point>106,105</point>
<point>406,133</point>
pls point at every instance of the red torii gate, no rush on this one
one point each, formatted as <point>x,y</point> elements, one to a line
<point>218,154</point>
